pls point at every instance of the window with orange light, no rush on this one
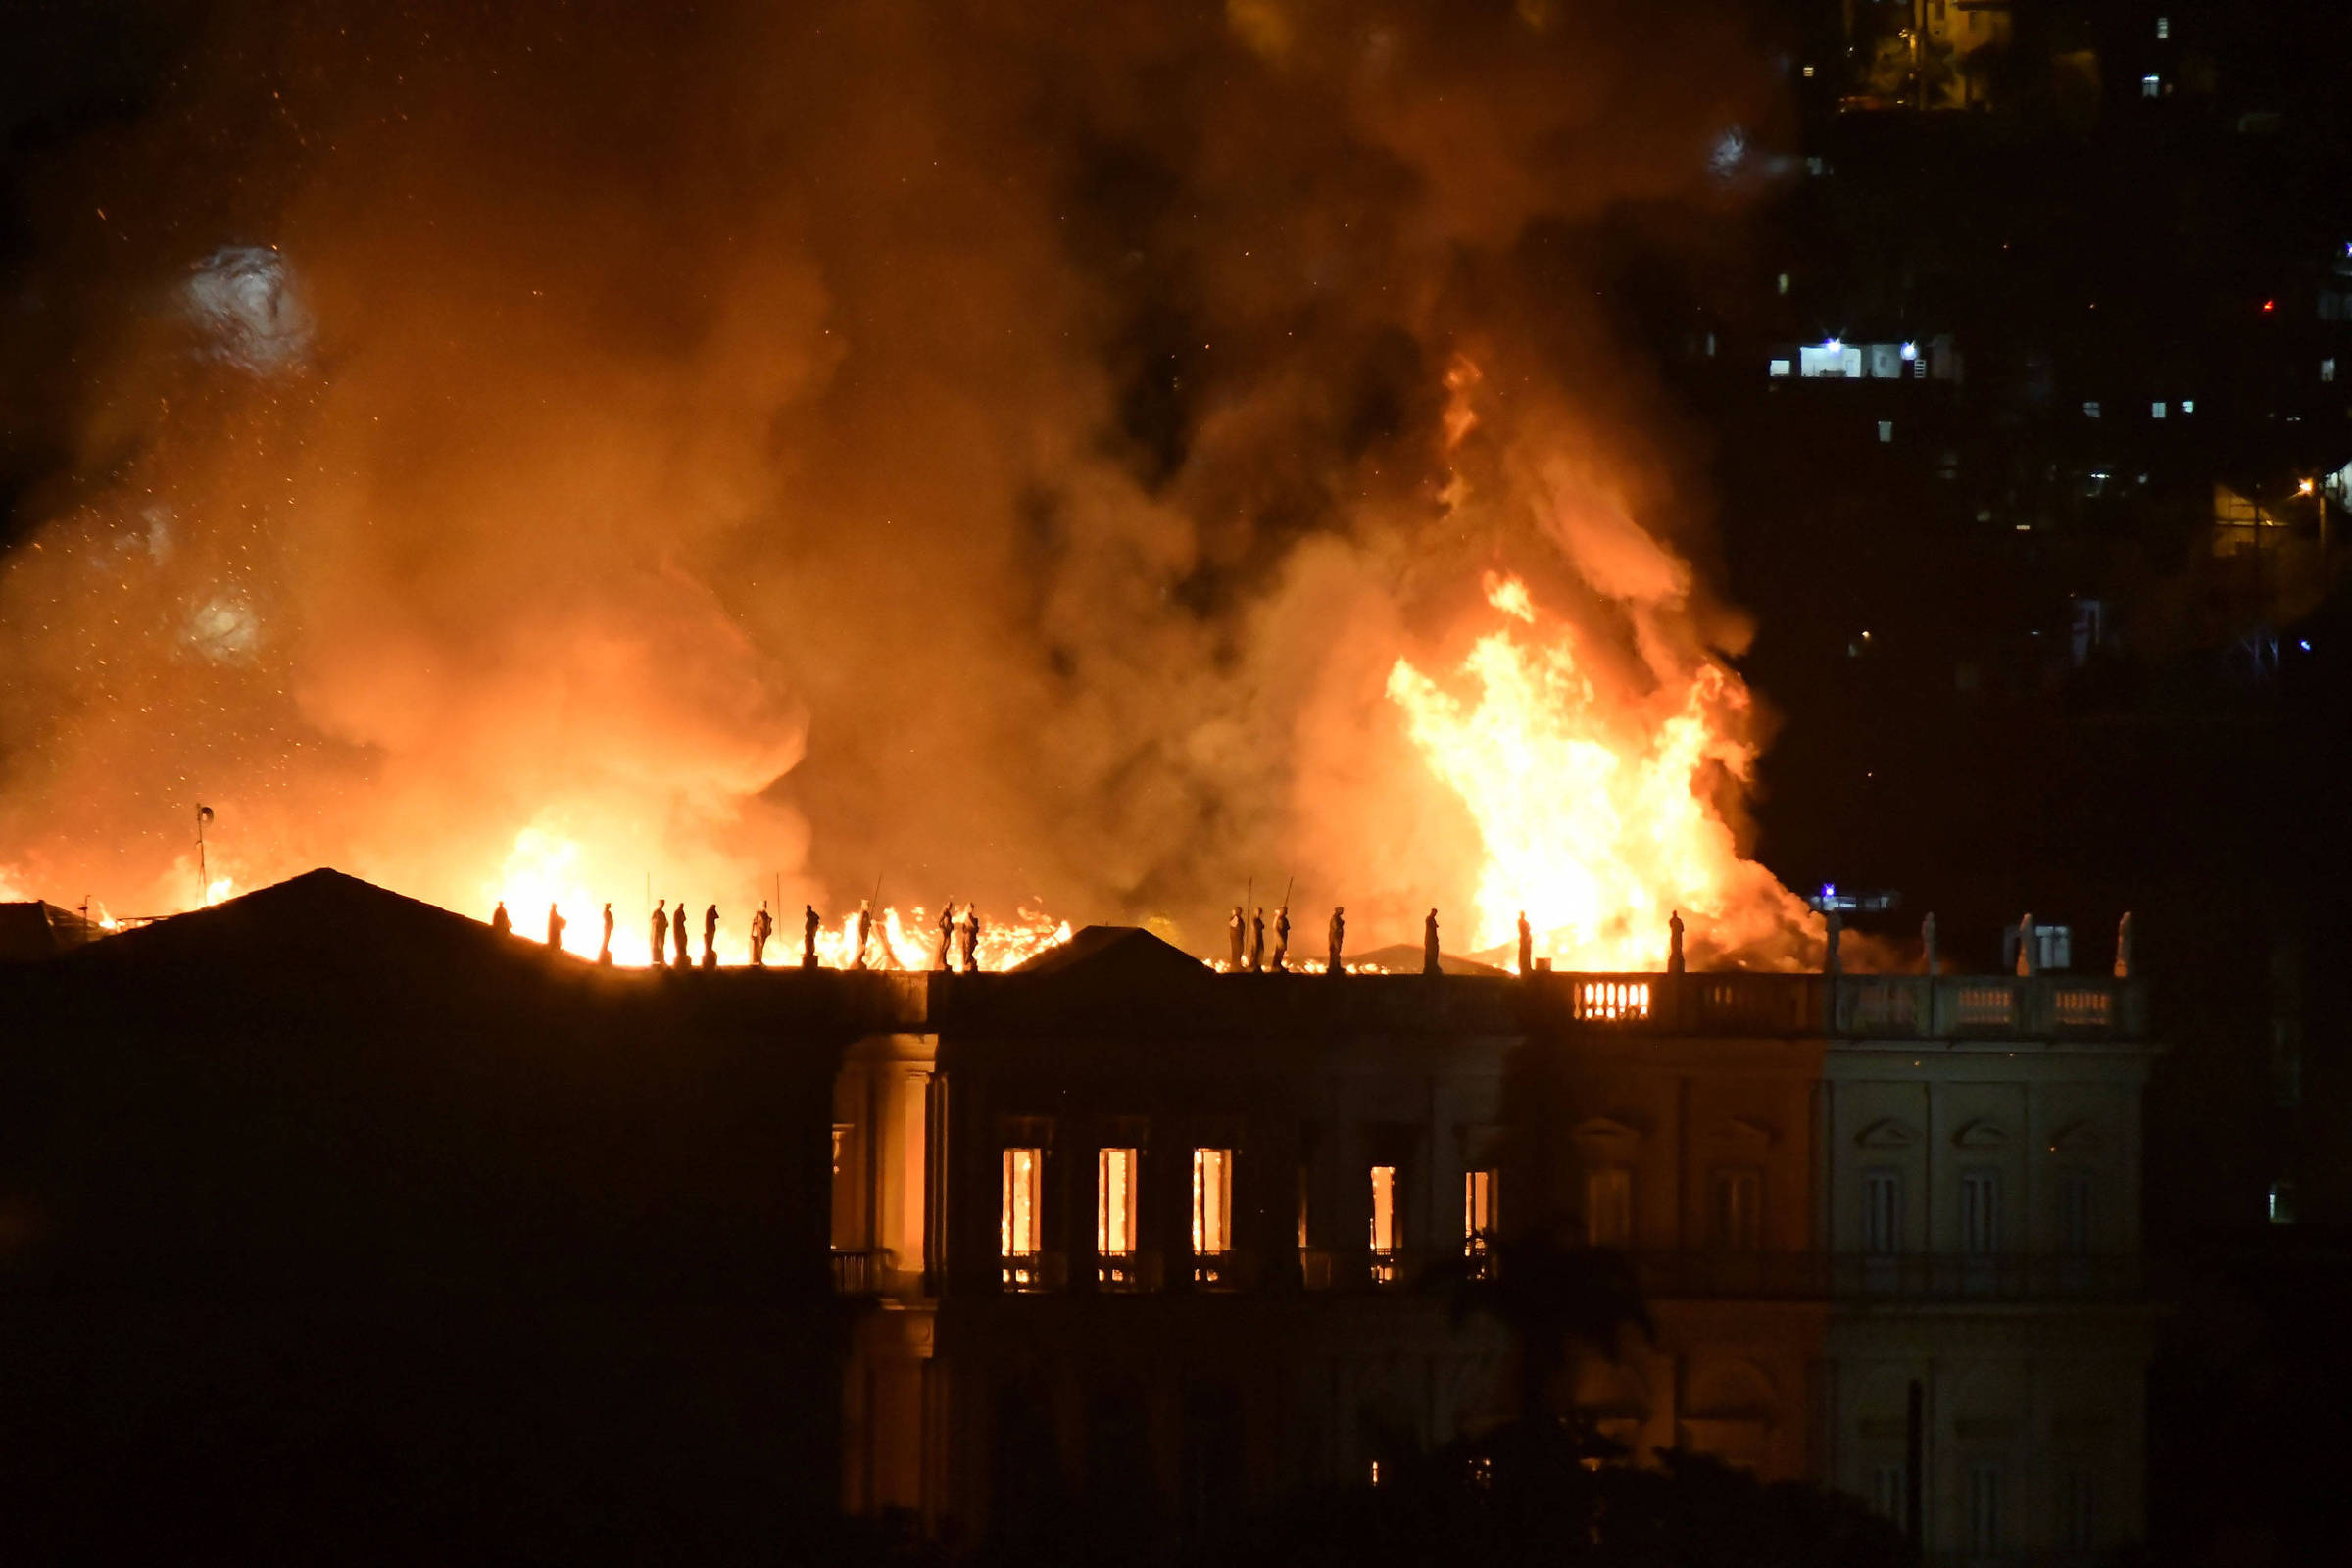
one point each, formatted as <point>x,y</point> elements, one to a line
<point>1212,1201</point>
<point>1115,1203</point>
<point>1384,1223</point>
<point>1479,1190</point>
<point>1019,1228</point>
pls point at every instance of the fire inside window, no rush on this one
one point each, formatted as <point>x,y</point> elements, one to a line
<point>1017,1225</point>
<point>1383,1224</point>
<point>1609,1207</point>
<point>1212,1203</point>
<point>1478,1210</point>
<point>1114,1212</point>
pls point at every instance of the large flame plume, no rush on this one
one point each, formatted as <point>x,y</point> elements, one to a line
<point>728,453</point>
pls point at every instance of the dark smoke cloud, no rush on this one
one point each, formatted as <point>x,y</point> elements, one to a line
<point>999,448</point>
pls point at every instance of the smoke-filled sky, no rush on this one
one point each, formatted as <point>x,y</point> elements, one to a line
<point>998,449</point>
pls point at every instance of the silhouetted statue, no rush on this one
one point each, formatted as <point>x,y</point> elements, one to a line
<point>764,927</point>
<point>809,926</point>
<point>1673,943</point>
<point>1429,945</point>
<point>1282,939</point>
<point>1338,939</point>
<point>1831,963</point>
<point>947,936</point>
<point>1926,942</point>
<point>677,934</point>
<point>660,930</point>
<point>865,929</point>
<point>555,928</point>
<point>971,939</point>
<point>710,937</point>
<point>1257,940</point>
<point>1232,930</point>
<point>500,921</point>
<point>2123,947</point>
<point>603,952</point>
<point>2028,960</point>
<point>1527,945</point>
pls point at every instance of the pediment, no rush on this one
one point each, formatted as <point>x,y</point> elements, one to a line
<point>1888,1132</point>
<point>2076,1138</point>
<point>1603,1130</point>
<point>1740,1132</point>
<point>1981,1133</point>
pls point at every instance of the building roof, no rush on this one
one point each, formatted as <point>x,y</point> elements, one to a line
<point>32,932</point>
<point>1115,950</point>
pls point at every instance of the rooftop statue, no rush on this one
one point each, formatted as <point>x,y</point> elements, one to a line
<point>865,929</point>
<point>660,930</point>
<point>809,925</point>
<point>1429,945</point>
<point>764,925</point>
<point>1232,930</point>
<point>1282,939</point>
<point>603,952</point>
<point>677,933</point>
<point>710,937</point>
<point>1673,943</point>
<point>1257,940</point>
<point>555,928</point>
<point>500,921</point>
<point>1527,945</point>
<point>947,935</point>
<point>971,939</point>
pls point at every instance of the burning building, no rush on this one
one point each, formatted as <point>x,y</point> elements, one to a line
<point>324,1174</point>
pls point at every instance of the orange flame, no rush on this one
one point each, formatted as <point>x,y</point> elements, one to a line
<point>1597,827</point>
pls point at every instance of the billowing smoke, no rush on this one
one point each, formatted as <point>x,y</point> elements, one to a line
<point>997,450</point>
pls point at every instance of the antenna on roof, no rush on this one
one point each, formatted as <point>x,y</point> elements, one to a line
<point>204,877</point>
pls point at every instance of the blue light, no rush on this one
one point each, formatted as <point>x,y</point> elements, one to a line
<point>1828,890</point>
<point>1910,350</point>
<point>1833,345</point>
<point>2303,643</point>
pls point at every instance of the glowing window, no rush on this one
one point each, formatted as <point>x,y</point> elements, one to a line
<point>1779,368</point>
<point>1609,1207</point>
<point>1479,1212</point>
<point>2327,369</point>
<point>1017,1224</point>
<point>2164,26</point>
<point>2155,411</point>
<point>2090,410</point>
<point>1114,1202</point>
<point>1212,1201</point>
<point>2150,87</point>
<point>1384,1223</point>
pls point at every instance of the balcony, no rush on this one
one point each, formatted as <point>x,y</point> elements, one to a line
<point>865,1272</point>
<point>1924,1277</point>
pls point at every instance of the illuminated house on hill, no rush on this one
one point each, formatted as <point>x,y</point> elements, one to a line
<point>1119,1227</point>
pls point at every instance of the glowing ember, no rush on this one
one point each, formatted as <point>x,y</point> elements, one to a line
<point>1596,823</point>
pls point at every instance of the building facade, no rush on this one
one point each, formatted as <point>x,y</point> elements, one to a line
<point>1140,1234</point>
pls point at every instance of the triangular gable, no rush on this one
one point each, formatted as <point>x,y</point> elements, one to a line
<point>1741,1133</point>
<point>1887,1132</point>
<point>1981,1133</point>
<point>1603,1130</point>
<point>2076,1138</point>
<point>1126,952</point>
